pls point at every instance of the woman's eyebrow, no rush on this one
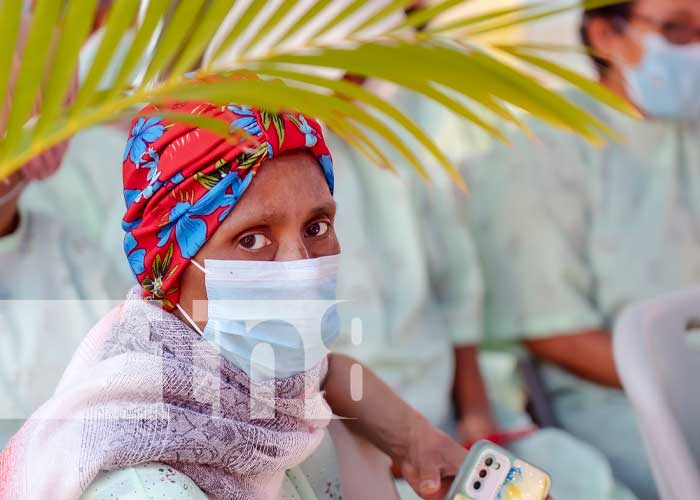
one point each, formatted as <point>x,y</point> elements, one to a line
<point>260,219</point>
<point>324,209</point>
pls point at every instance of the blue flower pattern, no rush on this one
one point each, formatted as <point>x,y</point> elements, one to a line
<point>327,166</point>
<point>151,165</point>
<point>135,257</point>
<point>153,176</point>
<point>191,231</point>
<point>130,196</point>
<point>143,133</point>
<point>308,131</point>
<point>247,120</point>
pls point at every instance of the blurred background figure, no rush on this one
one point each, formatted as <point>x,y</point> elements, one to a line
<point>412,283</point>
<point>48,279</point>
<point>569,234</point>
<point>49,275</point>
<point>87,192</point>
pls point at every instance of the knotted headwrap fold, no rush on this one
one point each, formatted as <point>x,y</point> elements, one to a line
<point>181,181</point>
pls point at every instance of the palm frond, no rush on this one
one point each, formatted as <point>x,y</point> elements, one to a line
<point>297,49</point>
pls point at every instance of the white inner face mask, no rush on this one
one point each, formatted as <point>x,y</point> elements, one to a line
<point>269,318</point>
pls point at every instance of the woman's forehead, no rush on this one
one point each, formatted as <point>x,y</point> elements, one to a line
<point>686,10</point>
<point>291,185</point>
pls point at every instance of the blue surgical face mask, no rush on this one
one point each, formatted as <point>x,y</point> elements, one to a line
<point>666,84</point>
<point>271,319</point>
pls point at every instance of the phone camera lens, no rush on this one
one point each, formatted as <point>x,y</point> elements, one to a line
<point>477,485</point>
<point>489,462</point>
<point>483,473</point>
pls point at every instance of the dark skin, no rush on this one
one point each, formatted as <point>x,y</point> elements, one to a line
<point>588,353</point>
<point>476,421</point>
<point>9,212</point>
<point>287,214</point>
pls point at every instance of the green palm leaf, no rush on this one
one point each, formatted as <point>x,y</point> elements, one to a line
<point>286,47</point>
<point>75,29</point>
<point>119,18</point>
<point>31,72</point>
<point>599,92</point>
<point>10,17</point>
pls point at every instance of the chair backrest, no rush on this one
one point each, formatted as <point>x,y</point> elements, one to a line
<point>660,371</point>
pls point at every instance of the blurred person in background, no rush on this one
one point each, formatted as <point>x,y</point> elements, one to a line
<point>569,234</point>
<point>87,191</point>
<point>45,305</point>
<point>411,281</point>
<point>45,301</point>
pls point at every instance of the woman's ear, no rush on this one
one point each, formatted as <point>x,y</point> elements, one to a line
<point>601,35</point>
<point>610,40</point>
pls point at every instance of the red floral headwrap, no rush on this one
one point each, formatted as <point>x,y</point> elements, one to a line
<point>181,181</point>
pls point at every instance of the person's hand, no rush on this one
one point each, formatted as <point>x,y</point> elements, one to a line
<point>430,460</point>
<point>474,426</point>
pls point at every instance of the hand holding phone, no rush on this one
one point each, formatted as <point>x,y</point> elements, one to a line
<point>493,473</point>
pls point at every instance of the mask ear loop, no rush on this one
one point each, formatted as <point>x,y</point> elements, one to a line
<point>188,318</point>
<point>198,266</point>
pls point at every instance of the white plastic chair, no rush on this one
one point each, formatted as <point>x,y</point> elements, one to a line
<point>661,374</point>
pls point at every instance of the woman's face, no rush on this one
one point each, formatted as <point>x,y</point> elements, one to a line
<point>674,19</point>
<point>286,213</point>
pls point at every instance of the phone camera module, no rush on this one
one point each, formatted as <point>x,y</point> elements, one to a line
<point>477,485</point>
<point>489,462</point>
<point>483,473</point>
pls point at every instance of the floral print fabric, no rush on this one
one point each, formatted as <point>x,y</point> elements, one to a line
<point>181,181</point>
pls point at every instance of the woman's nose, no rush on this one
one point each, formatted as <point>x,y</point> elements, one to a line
<point>293,249</point>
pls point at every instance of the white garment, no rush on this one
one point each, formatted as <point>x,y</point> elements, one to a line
<point>569,234</point>
<point>410,272</point>
<point>86,192</point>
<point>53,287</point>
<point>414,297</point>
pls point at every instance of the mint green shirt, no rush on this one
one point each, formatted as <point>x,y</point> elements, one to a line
<point>156,481</point>
<point>408,273</point>
<point>568,235</point>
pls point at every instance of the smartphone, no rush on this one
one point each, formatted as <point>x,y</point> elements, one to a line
<point>493,473</point>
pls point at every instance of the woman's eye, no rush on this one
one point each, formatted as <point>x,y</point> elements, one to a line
<point>317,229</point>
<point>254,241</point>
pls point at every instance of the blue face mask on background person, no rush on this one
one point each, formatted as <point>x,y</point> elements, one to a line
<point>271,319</point>
<point>666,84</point>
